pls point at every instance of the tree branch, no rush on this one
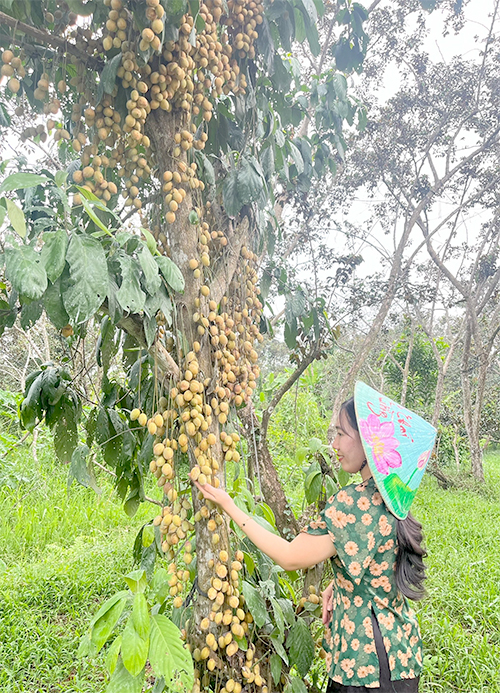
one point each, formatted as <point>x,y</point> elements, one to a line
<point>47,39</point>
<point>313,354</point>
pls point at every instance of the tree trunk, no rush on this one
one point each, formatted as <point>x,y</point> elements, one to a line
<point>469,418</point>
<point>270,484</point>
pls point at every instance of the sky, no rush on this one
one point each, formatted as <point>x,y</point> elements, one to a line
<point>467,44</point>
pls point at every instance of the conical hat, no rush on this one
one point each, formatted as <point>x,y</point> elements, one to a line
<point>398,444</point>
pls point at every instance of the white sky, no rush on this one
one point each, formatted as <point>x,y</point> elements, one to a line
<point>467,44</point>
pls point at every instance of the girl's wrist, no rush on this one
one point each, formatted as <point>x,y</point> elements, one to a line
<point>228,505</point>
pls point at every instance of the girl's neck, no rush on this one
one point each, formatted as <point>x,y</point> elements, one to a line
<point>365,471</point>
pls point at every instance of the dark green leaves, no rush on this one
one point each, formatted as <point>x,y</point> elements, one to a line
<point>243,184</point>
<point>152,279</point>
<point>167,654</point>
<point>53,255</point>
<point>301,646</point>
<point>171,273</point>
<point>25,271</point>
<point>104,622</point>
<point>79,469</point>
<point>130,295</point>
<point>88,284</point>
<point>108,77</point>
<point>18,181</point>
<point>255,603</point>
<point>313,482</point>
<point>135,637</point>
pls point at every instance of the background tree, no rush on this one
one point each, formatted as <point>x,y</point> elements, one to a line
<point>165,129</point>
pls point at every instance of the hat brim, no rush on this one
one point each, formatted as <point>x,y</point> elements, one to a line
<point>397,443</point>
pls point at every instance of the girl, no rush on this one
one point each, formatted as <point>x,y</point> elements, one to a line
<point>372,639</point>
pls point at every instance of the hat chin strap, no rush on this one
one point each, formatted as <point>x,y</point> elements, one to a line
<point>363,465</point>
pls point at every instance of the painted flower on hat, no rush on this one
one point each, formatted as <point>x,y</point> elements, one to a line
<point>423,459</point>
<point>380,437</point>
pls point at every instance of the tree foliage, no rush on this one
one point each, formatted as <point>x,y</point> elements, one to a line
<point>166,130</point>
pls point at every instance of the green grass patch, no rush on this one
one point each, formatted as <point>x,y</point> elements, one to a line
<point>460,619</point>
<point>63,555</point>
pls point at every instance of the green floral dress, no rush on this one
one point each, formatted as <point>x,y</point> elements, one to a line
<point>364,533</point>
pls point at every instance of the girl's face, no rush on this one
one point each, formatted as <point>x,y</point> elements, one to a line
<point>348,446</point>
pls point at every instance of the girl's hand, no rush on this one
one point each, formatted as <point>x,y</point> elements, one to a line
<point>327,597</point>
<point>216,495</point>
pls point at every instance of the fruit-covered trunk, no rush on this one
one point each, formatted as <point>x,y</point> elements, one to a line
<point>213,337</point>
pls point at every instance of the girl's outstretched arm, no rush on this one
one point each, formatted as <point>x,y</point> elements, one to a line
<point>304,551</point>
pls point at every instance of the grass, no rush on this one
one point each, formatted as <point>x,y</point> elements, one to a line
<point>62,555</point>
<point>460,619</point>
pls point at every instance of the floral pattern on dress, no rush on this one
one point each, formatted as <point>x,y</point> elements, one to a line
<point>364,534</point>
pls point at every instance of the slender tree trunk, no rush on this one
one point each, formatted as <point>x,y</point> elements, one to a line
<point>270,484</point>
<point>369,340</point>
<point>406,369</point>
<point>469,418</point>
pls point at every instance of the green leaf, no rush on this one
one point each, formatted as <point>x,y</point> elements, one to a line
<point>255,603</point>
<point>312,486</point>
<point>171,273</point>
<point>298,686</point>
<point>297,157</point>
<point>136,580</point>
<point>149,267</point>
<point>148,535</point>
<point>315,444</point>
<point>310,9</point>
<point>150,241</point>
<point>277,641</point>
<point>64,421</point>
<point>300,27</point>
<point>331,487</point>
<point>108,76</point>
<point>301,646</point>
<point>276,665</point>
<point>60,178</point>
<point>123,682</point>
<point>53,254</point>
<point>88,284</point>
<point>208,168</point>
<point>278,616</point>
<point>112,654</point>
<point>25,271</point>
<point>167,653</point>
<point>150,326</point>
<point>106,619</point>
<point>16,218</point>
<point>130,296</point>
<point>90,212</point>
<point>140,615</point>
<point>18,181</point>
<point>288,610</point>
<point>79,469</point>
<point>135,638</point>
<point>242,185</point>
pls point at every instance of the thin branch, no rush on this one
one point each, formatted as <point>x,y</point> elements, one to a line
<point>313,354</point>
<point>61,44</point>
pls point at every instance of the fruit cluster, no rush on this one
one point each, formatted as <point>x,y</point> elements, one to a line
<point>183,77</point>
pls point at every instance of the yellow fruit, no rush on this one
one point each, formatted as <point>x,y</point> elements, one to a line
<point>7,56</point>
<point>158,419</point>
<point>142,419</point>
<point>152,428</point>
<point>14,85</point>
<point>134,414</point>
